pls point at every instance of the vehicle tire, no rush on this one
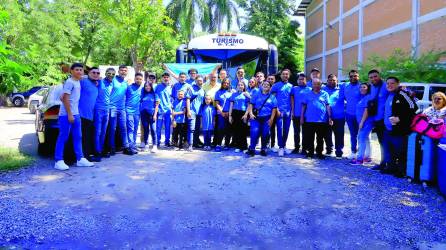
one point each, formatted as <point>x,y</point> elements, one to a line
<point>18,101</point>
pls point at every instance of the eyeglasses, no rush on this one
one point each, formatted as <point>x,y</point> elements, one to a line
<point>110,74</point>
<point>152,77</point>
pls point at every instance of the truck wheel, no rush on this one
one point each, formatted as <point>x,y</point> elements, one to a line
<point>18,102</point>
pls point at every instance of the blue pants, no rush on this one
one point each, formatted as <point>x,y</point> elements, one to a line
<point>283,128</point>
<point>338,130</point>
<point>353,127</point>
<point>115,117</point>
<point>395,150</point>
<point>148,123</point>
<point>259,127</point>
<point>65,128</point>
<point>297,129</point>
<point>101,118</point>
<point>207,134</point>
<point>132,129</point>
<point>193,129</point>
<point>166,120</point>
<point>222,131</point>
<point>364,150</point>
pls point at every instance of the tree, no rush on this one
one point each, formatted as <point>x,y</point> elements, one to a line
<point>269,19</point>
<point>221,11</point>
<point>186,13</point>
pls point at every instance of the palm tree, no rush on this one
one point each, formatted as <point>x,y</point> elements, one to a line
<point>185,14</point>
<point>221,11</point>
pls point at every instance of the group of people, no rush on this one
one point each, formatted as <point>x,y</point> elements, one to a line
<point>187,105</point>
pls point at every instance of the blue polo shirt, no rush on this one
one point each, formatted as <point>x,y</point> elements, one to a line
<point>197,99</point>
<point>87,101</point>
<point>336,102</point>
<point>222,96</point>
<point>270,104</point>
<point>163,93</point>
<point>253,91</point>
<point>148,101</point>
<point>190,81</point>
<point>282,91</point>
<point>351,94</point>
<point>382,97</point>
<point>133,98</point>
<point>105,88</point>
<point>240,101</point>
<point>361,106</point>
<point>316,106</point>
<point>388,111</point>
<point>207,117</point>
<point>235,81</point>
<point>180,105</point>
<point>186,87</point>
<point>117,97</point>
<point>299,93</point>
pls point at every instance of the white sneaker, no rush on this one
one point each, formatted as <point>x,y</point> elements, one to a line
<point>60,165</point>
<point>84,163</point>
<point>281,152</point>
<point>237,150</point>
<point>142,145</point>
<point>351,156</point>
<point>288,151</point>
<point>275,149</point>
<point>190,149</point>
<point>154,149</point>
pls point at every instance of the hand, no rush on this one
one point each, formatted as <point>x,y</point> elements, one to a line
<point>330,121</point>
<point>230,119</point>
<point>270,122</point>
<point>70,118</point>
<point>252,116</point>
<point>302,120</point>
<point>189,115</point>
<point>245,118</point>
<point>394,120</point>
<point>219,112</point>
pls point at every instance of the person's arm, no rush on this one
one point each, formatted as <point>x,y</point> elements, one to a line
<point>66,104</point>
<point>330,120</point>
<point>292,106</point>
<point>271,119</point>
<point>365,115</point>
<point>171,72</point>
<point>231,105</point>
<point>219,108</point>
<point>251,115</point>
<point>302,113</point>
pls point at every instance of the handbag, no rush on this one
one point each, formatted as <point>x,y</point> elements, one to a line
<point>255,111</point>
<point>421,125</point>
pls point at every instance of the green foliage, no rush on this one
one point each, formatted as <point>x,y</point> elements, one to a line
<point>43,34</point>
<point>407,68</point>
<point>269,19</point>
<point>11,159</point>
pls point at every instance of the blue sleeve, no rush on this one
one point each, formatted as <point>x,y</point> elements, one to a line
<point>274,101</point>
<point>68,86</point>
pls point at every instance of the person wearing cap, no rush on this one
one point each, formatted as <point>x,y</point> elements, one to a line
<point>118,116</point>
<point>163,110</point>
<point>282,91</point>
<point>315,73</point>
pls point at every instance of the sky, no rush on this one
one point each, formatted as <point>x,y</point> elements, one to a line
<point>234,27</point>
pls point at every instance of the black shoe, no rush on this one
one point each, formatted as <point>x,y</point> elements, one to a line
<point>250,153</point>
<point>321,156</point>
<point>303,152</point>
<point>263,152</point>
<point>387,170</point>
<point>127,151</point>
<point>112,152</point>
<point>197,145</point>
<point>135,152</point>
<point>106,155</point>
<point>295,151</point>
<point>377,167</point>
<point>95,159</point>
<point>309,156</point>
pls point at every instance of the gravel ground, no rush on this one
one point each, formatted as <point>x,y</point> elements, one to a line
<point>205,200</point>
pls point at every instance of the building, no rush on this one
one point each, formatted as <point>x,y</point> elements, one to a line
<point>341,33</point>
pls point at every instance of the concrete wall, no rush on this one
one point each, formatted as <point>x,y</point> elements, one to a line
<point>415,26</point>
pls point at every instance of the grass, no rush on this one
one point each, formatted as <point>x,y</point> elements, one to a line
<point>12,159</point>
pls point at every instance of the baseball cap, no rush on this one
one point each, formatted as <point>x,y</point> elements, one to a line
<point>315,70</point>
